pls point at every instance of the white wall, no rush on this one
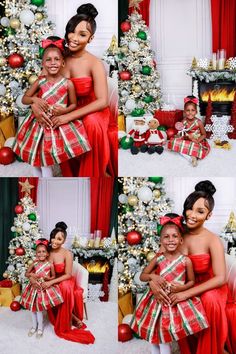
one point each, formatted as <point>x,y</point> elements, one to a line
<point>180,30</point>
<point>60,11</point>
<point>178,188</point>
<point>64,199</point>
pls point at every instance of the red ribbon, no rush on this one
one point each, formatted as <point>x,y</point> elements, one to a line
<point>177,221</point>
<point>47,42</point>
<point>44,242</point>
<point>193,100</point>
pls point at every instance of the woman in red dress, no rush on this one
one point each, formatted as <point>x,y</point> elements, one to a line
<point>89,78</point>
<point>71,311</point>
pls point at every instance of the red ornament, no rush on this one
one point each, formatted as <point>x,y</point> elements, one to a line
<point>20,251</point>
<point>125,26</point>
<point>124,333</point>
<point>125,75</point>
<point>15,60</point>
<point>6,155</point>
<point>133,238</point>
<point>15,306</point>
<point>19,209</point>
<point>171,132</point>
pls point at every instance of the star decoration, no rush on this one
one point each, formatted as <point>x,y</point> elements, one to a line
<point>26,187</point>
<point>134,3</point>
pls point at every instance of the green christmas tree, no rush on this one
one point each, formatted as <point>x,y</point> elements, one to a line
<point>141,203</point>
<point>24,26</point>
<point>25,232</point>
<point>139,85</point>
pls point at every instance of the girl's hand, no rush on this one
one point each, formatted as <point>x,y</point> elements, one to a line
<point>175,287</point>
<point>157,279</point>
<point>59,120</point>
<point>58,110</point>
<point>41,103</point>
<point>46,285</point>
<point>159,293</point>
<point>41,117</point>
<point>178,297</point>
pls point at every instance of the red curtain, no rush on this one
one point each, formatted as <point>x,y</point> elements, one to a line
<point>33,192</point>
<point>143,10</point>
<point>223,13</point>
<point>101,190</point>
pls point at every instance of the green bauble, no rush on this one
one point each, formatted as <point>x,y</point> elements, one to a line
<point>142,35</point>
<point>34,246</point>
<point>146,70</point>
<point>38,2</point>
<point>126,143</point>
<point>127,208</point>
<point>162,127</point>
<point>41,50</point>
<point>148,99</point>
<point>15,234</point>
<point>159,227</point>
<point>137,112</point>
<point>9,31</point>
<point>121,55</point>
<point>32,216</point>
<point>155,179</point>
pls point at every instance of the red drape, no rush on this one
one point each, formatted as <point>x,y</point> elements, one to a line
<point>101,198</point>
<point>143,10</point>
<point>33,192</point>
<point>223,13</point>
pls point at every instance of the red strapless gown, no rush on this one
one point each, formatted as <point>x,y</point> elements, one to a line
<point>95,162</point>
<point>61,315</point>
<point>212,339</point>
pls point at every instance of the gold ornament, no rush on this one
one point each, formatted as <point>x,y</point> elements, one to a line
<point>3,61</point>
<point>30,261</point>
<point>18,230</point>
<point>125,189</point>
<point>134,3</point>
<point>150,256</point>
<point>227,64</point>
<point>231,225</point>
<point>194,63</point>
<point>5,275</point>
<point>156,193</point>
<point>132,200</point>
<point>91,243</point>
<point>124,49</point>
<point>210,66</point>
<point>14,23</point>
<point>113,47</point>
<point>137,88</point>
<point>121,238</point>
<point>38,16</point>
<point>32,79</point>
<point>142,45</point>
<point>26,187</point>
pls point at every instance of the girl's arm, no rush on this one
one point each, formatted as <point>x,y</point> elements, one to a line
<point>52,274</point>
<point>219,271</point>
<point>29,272</point>
<point>101,94</point>
<point>58,110</point>
<point>176,287</point>
<point>30,98</point>
<point>203,132</point>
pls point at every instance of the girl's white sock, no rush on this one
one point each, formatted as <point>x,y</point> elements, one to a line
<point>34,319</point>
<point>40,320</point>
<point>165,348</point>
<point>47,171</point>
<point>155,349</point>
<point>37,172</point>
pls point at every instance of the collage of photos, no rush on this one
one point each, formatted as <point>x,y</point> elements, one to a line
<point>118,176</point>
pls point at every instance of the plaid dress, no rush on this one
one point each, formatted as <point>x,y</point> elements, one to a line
<point>158,323</point>
<point>38,299</point>
<point>41,146</point>
<point>187,147</point>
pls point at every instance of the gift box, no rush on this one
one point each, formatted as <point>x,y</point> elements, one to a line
<point>169,118</point>
<point>121,122</point>
<point>7,295</point>
<point>125,303</point>
<point>7,128</point>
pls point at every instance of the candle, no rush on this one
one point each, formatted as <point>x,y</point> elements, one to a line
<point>214,61</point>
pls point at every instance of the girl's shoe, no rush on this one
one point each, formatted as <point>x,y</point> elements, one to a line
<point>39,334</point>
<point>194,161</point>
<point>32,332</point>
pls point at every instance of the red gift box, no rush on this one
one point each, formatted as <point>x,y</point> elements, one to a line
<point>6,283</point>
<point>169,118</point>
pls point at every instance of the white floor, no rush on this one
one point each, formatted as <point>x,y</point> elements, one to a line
<point>22,169</point>
<point>219,162</point>
<point>102,321</point>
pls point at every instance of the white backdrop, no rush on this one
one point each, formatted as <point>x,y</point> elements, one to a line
<point>64,199</point>
<point>180,30</point>
<point>60,11</point>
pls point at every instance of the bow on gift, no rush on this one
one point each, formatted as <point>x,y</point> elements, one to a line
<point>44,242</point>
<point>177,221</point>
<point>47,42</point>
<point>190,99</point>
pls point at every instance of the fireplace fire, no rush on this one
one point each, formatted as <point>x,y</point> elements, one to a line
<point>96,267</point>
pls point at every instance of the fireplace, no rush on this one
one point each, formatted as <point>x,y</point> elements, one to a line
<point>221,93</point>
<point>96,267</point>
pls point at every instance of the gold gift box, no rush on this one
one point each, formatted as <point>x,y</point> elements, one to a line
<point>7,129</point>
<point>7,295</point>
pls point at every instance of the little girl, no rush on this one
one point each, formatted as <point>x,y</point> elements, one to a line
<point>156,320</point>
<point>192,144</point>
<point>34,298</point>
<point>41,146</point>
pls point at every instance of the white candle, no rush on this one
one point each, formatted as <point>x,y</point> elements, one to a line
<point>214,61</point>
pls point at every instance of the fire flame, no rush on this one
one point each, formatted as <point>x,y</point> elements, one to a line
<point>219,95</point>
<point>97,267</point>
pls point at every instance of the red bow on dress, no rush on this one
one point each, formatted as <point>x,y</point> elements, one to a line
<point>47,42</point>
<point>189,99</point>
<point>44,242</point>
<point>177,221</point>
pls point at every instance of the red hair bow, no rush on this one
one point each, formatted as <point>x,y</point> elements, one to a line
<point>47,42</point>
<point>177,221</point>
<point>189,99</point>
<point>44,242</point>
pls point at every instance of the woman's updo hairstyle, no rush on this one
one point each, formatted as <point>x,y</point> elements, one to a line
<point>86,12</point>
<point>203,189</point>
<point>59,227</point>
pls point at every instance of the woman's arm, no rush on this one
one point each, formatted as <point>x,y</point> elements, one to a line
<point>176,287</point>
<point>58,110</point>
<point>219,270</point>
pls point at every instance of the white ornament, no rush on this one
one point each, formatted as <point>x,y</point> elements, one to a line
<point>11,268</point>
<point>132,261</point>
<point>27,17</point>
<point>26,226</point>
<point>127,319</point>
<point>17,298</point>
<point>9,142</point>
<point>12,251</point>
<point>145,194</point>
<point>20,104</point>
<point>137,279</point>
<point>13,229</point>
<point>130,104</point>
<point>124,93</point>
<point>2,90</point>
<point>134,46</point>
<point>123,199</point>
<point>120,267</point>
<point>220,127</point>
<point>5,22</point>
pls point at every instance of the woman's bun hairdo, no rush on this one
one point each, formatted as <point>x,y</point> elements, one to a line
<point>205,186</point>
<point>87,9</point>
<point>61,225</point>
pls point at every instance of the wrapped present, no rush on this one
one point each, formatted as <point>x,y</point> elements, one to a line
<point>7,295</point>
<point>125,303</point>
<point>169,118</point>
<point>121,122</point>
<point>7,128</point>
<point>6,283</point>
<point>2,139</point>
